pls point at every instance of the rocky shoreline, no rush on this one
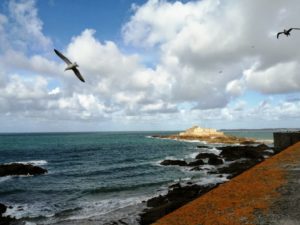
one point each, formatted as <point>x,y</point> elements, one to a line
<point>226,139</point>
<point>16,169</point>
<point>231,161</point>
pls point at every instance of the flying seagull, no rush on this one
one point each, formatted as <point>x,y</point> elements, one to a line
<point>287,32</point>
<point>71,66</point>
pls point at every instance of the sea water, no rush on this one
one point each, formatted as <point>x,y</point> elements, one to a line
<point>99,175</point>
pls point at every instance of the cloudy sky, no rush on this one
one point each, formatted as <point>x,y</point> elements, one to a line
<point>149,65</point>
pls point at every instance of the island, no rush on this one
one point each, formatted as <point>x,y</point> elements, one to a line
<point>208,135</point>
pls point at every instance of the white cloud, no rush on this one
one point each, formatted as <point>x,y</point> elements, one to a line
<point>235,87</point>
<point>54,91</point>
<point>27,27</point>
<point>210,53</point>
<point>280,78</point>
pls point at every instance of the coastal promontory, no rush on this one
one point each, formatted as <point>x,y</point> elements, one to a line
<point>208,135</point>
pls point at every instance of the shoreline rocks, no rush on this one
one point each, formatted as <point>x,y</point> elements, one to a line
<point>20,169</point>
<point>170,162</point>
<point>232,161</point>
<point>5,220</point>
<point>175,198</point>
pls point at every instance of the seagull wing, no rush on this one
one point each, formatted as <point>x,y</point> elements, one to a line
<point>77,73</point>
<point>63,57</point>
<point>279,34</point>
<point>295,28</point>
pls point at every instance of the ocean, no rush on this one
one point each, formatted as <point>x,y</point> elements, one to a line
<point>102,176</point>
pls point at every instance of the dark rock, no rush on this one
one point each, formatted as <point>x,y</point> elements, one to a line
<point>20,169</point>
<point>174,199</point>
<point>215,161</point>
<point>156,201</point>
<point>196,163</point>
<point>176,185</point>
<point>212,158</point>
<point>169,162</point>
<point>5,220</point>
<point>205,155</point>
<point>2,208</point>
<point>202,146</point>
<point>237,152</point>
<point>263,147</point>
<point>237,167</point>
<point>153,214</point>
<point>196,168</point>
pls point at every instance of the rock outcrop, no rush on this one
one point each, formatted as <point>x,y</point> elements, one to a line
<point>20,169</point>
<point>169,162</point>
<point>237,152</point>
<point>175,198</point>
<point>208,135</point>
<point>201,132</point>
<point>238,159</point>
<point>5,220</point>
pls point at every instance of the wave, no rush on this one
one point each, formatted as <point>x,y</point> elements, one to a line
<point>115,207</point>
<point>2,179</point>
<point>124,188</point>
<point>212,180</point>
<point>32,162</point>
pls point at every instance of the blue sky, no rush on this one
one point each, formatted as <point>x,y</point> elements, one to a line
<point>148,65</point>
<point>64,19</point>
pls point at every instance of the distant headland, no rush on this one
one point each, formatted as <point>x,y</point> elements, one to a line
<point>208,135</point>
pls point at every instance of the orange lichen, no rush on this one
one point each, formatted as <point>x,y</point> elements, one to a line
<point>235,202</point>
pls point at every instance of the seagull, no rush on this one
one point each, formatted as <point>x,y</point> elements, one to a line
<point>71,66</point>
<point>287,32</point>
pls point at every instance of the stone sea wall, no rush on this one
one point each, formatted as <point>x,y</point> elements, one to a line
<point>283,140</point>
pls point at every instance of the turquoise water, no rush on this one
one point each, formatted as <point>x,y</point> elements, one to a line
<point>92,174</point>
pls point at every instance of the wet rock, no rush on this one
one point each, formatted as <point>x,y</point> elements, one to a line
<point>237,152</point>
<point>202,146</point>
<point>236,168</point>
<point>6,220</point>
<point>176,185</point>
<point>212,158</point>
<point>215,161</point>
<point>20,169</point>
<point>196,163</point>
<point>205,155</point>
<point>169,162</point>
<point>174,199</point>
<point>196,168</point>
<point>156,201</point>
<point>2,208</point>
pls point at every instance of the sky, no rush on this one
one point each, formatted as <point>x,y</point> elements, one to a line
<point>149,65</point>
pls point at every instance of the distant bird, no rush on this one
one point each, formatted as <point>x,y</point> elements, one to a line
<point>287,32</point>
<point>71,66</point>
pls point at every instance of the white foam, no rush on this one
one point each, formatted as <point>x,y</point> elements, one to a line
<point>267,141</point>
<point>32,162</point>
<point>27,210</point>
<point>192,155</point>
<point>2,179</point>
<point>100,208</point>
<point>212,180</point>
<point>210,150</point>
<point>29,223</point>
<point>270,151</point>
